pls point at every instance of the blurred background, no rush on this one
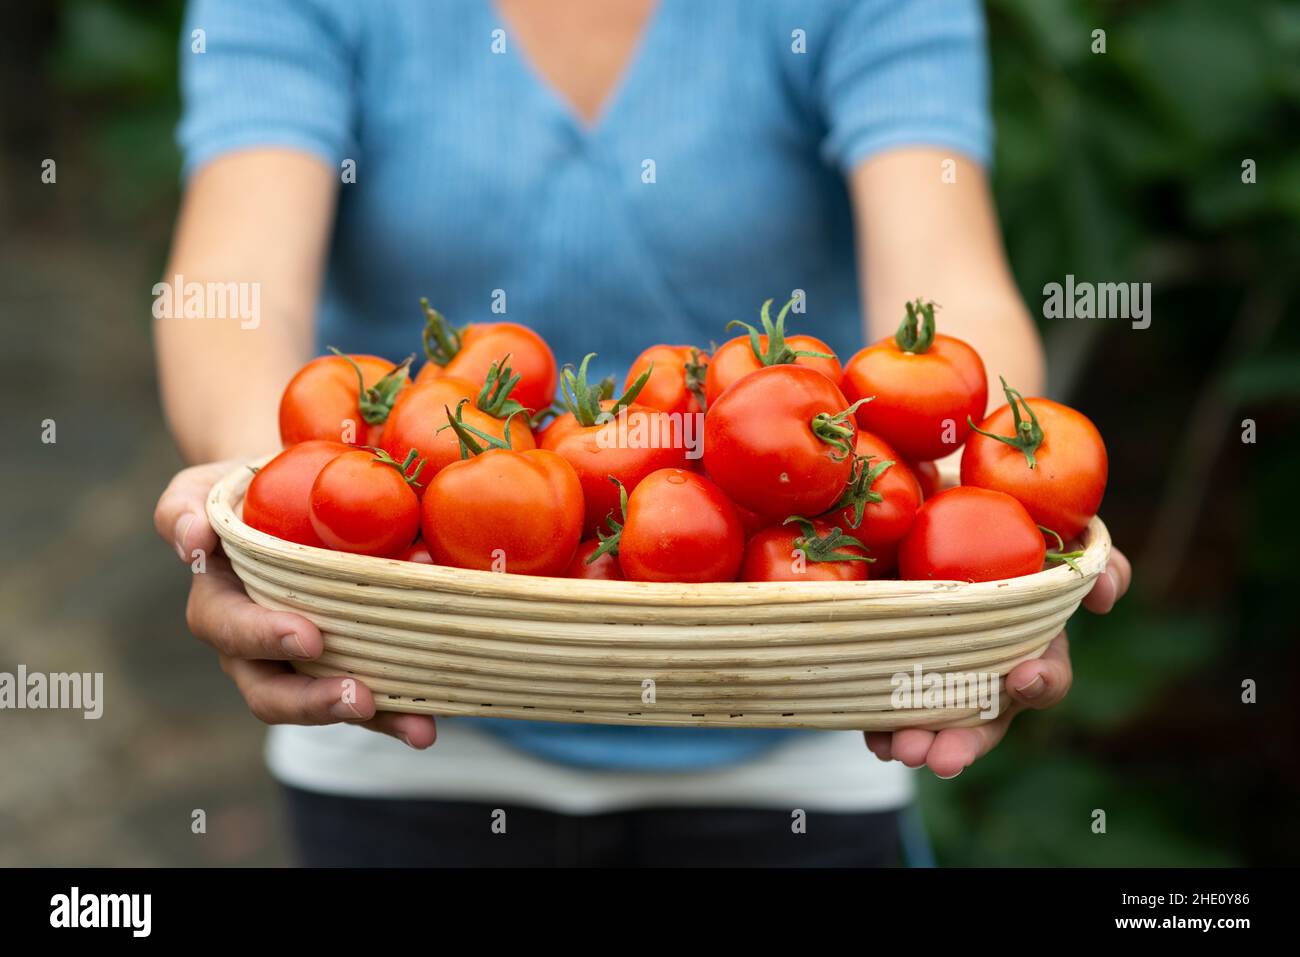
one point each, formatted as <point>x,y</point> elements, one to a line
<point>1125,166</point>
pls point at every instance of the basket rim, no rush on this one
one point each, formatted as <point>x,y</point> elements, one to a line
<point>225,508</point>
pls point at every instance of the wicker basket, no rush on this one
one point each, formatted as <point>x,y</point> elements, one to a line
<point>448,641</point>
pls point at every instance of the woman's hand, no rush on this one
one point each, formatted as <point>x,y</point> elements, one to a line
<point>1037,684</point>
<point>255,644</point>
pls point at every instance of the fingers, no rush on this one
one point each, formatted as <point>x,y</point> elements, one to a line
<point>1040,683</point>
<point>955,749</point>
<point>222,615</point>
<point>277,695</point>
<point>181,513</point>
<point>1044,681</point>
<point>415,730</point>
<point>1111,584</point>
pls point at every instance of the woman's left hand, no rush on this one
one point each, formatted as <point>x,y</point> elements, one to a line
<point>1039,683</point>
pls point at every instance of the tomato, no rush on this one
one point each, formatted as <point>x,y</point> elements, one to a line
<point>971,534</point>
<point>925,387</point>
<point>679,527</point>
<point>363,503</point>
<point>880,503</point>
<point>604,439</point>
<point>502,510</point>
<point>1051,459</point>
<point>676,383</point>
<point>277,498</point>
<point>604,568</point>
<point>927,473</point>
<point>417,552</point>
<point>779,442</point>
<point>341,398</point>
<point>468,352</point>
<point>419,418</point>
<point>751,522</point>
<point>804,552</point>
<point>738,357</point>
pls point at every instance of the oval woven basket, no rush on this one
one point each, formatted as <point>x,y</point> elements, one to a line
<point>448,641</point>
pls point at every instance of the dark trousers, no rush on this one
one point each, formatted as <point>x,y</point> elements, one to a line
<point>334,831</point>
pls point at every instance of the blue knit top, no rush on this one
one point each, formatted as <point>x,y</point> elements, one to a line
<point>713,179</point>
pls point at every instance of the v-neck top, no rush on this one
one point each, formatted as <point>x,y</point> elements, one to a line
<point>712,179</point>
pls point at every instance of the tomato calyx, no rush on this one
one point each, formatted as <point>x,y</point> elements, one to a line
<point>858,493</point>
<point>584,400</point>
<point>376,402</point>
<point>697,371</point>
<point>825,548</point>
<point>916,332</point>
<point>1028,434</point>
<point>1059,554</point>
<point>441,339</point>
<point>778,351</point>
<point>837,430</point>
<point>609,540</point>
<point>494,397</point>
<point>473,440</point>
<point>403,468</point>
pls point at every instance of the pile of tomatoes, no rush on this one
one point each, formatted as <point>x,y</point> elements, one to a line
<point>766,460</point>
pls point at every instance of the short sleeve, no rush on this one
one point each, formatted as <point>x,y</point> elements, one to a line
<point>254,73</point>
<point>905,73</point>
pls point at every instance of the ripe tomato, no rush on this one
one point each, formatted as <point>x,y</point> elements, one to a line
<point>679,527</point>
<point>362,502</point>
<point>502,510</point>
<point>417,552</point>
<point>804,552</point>
<point>340,398</point>
<point>676,383</point>
<point>277,498</point>
<point>1051,459</point>
<point>925,385</point>
<point>971,534</point>
<point>880,502</point>
<point>738,357</point>
<point>604,568</point>
<point>468,352</point>
<point>780,441</point>
<point>419,418</point>
<point>751,522</point>
<point>612,439</point>
<point>927,473</point>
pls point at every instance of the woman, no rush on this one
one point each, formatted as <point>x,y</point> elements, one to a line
<point>615,172</point>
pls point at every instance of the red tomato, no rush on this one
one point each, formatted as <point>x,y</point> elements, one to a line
<point>363,504</point>
<point>278,496</point>
<point>468,352</point>
<point>738,357</point>
<point>779,442</point>
<point>803,552</point>
<point>507,511</point>
<point>676,383</point>
<point>925,387</point>
<point>880,503</point>
<point>1051,459</point>
<point>927,473</point>
<point>612,438</point>
<point>680,527</point>
<point>417,552</point>
<point>971,534</point>
<point>419,419</point>
<point>751,522</point>
<point>327,400</point>
<point>604,568</point>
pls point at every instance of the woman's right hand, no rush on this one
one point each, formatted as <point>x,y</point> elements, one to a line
<point>253,643</point>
